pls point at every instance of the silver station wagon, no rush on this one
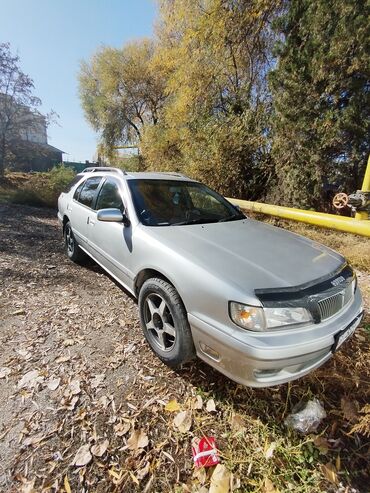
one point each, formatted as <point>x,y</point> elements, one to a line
<point>260,304</point>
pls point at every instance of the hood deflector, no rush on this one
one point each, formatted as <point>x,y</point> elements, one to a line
<point>293,294</point>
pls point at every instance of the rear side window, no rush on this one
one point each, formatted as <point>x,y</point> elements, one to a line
<point>70,185</point>
<point>78,190</point>
<point>109,196</point>
<point>87,193</point>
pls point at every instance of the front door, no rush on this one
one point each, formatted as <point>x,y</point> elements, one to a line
<point>110,242</point>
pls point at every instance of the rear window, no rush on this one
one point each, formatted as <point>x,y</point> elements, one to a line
<point>70,185</point>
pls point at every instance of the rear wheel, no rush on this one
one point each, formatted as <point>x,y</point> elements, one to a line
<point>73,250</point>
<point>164,322</point>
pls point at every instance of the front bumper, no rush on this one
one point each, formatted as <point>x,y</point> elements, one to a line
<point>271,358</point>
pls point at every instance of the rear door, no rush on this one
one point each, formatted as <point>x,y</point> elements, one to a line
<point>81,207</point>
<point>110,242</point>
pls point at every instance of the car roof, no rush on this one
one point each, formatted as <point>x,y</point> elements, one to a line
<point>133,175</point>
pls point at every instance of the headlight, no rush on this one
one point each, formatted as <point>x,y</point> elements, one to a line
<point>261,319</point>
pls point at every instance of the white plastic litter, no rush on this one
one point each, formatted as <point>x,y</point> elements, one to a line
<point>306,417</point>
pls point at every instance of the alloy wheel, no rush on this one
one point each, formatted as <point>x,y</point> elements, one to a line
<point>159,322</point>
<point>70,241</point>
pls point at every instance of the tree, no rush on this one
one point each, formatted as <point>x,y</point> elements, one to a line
<point>121,92</point>
<point>215,54</point>
<point>16,103</point>
<point>321,98</point>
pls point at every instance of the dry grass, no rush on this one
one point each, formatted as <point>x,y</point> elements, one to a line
<point>34,189</point>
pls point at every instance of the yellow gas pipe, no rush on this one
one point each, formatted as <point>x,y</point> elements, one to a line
<point>360,225</point>
<point>363,215</point>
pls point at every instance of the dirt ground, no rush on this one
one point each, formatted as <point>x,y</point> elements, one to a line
<point>83,399</point>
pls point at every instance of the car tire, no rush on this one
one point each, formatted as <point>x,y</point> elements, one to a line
<point>165,323</point>
<point>72,248</point>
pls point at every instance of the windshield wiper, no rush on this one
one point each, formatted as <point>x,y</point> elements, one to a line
<point>234,217</point>
<point>199,220</point>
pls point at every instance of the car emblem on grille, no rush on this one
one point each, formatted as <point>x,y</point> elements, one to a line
<point>337,281</point>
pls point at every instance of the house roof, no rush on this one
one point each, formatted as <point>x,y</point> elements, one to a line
<point>51,148</point>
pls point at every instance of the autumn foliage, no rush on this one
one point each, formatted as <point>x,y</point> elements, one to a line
<point>259,99</point>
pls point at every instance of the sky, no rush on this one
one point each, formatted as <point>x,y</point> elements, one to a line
<point>52,37</point>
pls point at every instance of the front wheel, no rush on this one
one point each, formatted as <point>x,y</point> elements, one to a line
<point>73,251</point>
<point>164,322</point>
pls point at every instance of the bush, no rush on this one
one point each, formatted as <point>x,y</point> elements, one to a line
<point>27,196</point>
<point>37,189</point>
<point>60,177</point>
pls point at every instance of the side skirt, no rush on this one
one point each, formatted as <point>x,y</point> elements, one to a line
<point>109,272</point>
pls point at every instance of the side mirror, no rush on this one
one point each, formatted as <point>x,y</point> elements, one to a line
<point>112,216</point>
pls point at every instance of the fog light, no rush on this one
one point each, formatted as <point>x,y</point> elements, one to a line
<point>265,373</point>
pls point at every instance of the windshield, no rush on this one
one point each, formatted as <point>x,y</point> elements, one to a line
<point>176,203</point>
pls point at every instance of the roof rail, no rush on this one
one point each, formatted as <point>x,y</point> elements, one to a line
<point>175,174</point>
<point>104,168</point>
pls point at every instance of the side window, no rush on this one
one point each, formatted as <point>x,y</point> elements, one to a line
<point>109,196</point>
<point>87,193</point>
<point>78,190</point>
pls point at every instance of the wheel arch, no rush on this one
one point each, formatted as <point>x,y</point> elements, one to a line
<point>149,273</point>
<point>65,221</point>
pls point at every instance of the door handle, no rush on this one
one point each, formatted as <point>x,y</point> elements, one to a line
<point>90,221</point>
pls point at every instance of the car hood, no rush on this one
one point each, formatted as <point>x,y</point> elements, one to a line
<point>250,253</point>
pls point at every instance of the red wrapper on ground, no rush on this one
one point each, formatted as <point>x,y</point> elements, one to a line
<point>205,453</point>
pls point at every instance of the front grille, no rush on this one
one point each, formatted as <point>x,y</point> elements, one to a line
<point>328,307</point>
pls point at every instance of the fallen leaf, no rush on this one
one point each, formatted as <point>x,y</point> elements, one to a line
<point>83,456</point>
<point>68,342</point>
<point>237,422</point>
<point>30,379</point>
<point>330,472</point>
<point>349,409</point>
<point>63,359</point>
<point>4,372</point>
<point>183,421</point>
<point>104,401</point>
<point>24,353</point>
<point>172,406</point>
<point>198,402</point>
<point>97,381</point>
<point>72,403</point>
<point>211,406</point>
<point>99,449</point>
<point>54,383</point>
<point>269,450</point>
<point>322,444</point>
<point>268,486</point>
<point>141,473</point>
<point>74,387</point>
<point>121,429</point>
<point>28,486</point>
<point>66,485</point>
<point>220,480</point>
<point>138,439</point>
